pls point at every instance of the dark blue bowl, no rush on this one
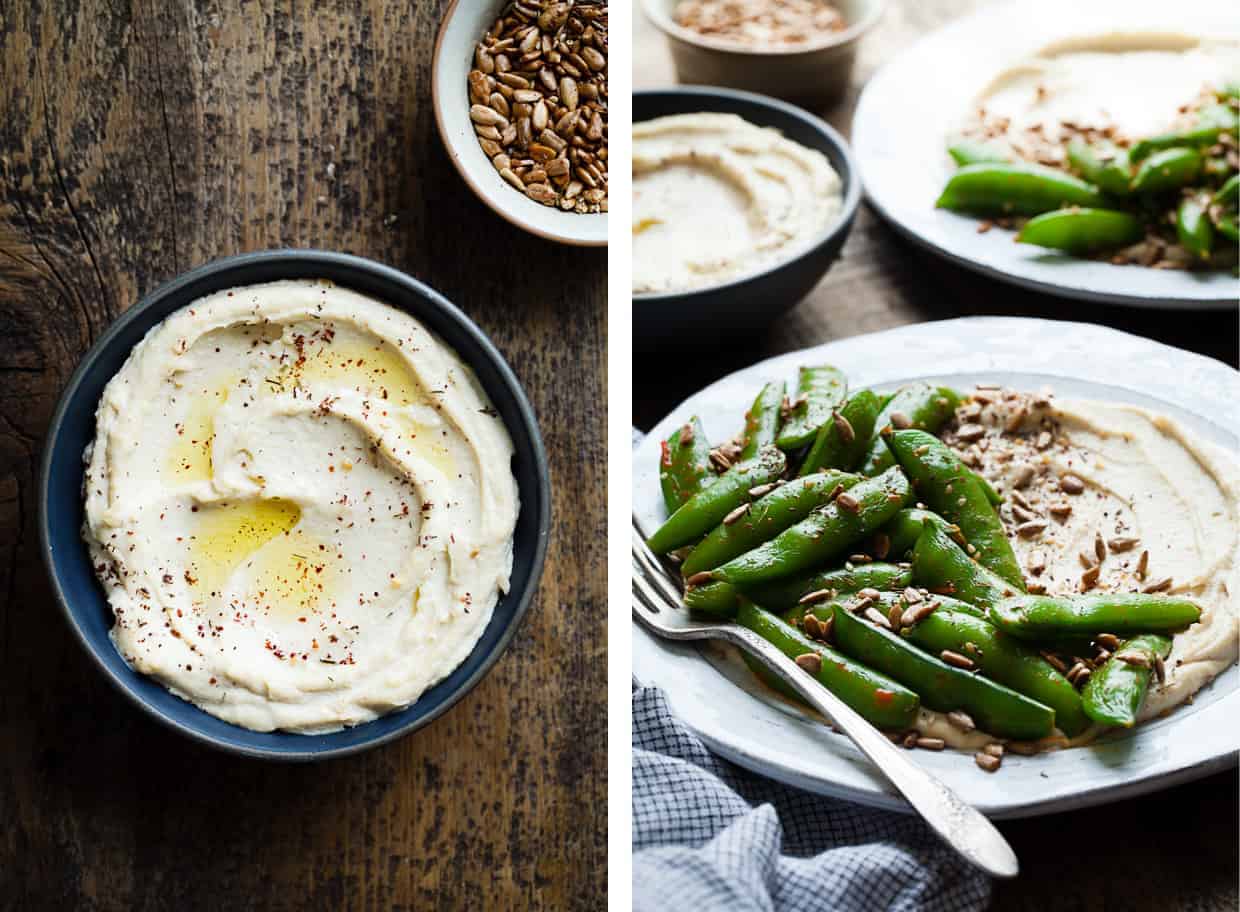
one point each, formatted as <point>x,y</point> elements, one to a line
<point>751,302</point>
<point>61,510</point>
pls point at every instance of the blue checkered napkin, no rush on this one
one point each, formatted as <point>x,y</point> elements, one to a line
<point>708,835</point>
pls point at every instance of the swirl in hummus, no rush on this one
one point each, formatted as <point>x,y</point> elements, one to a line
<point>301,505</point>
<point>716,198</point>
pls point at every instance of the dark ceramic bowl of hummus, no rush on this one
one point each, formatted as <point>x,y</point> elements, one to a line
<point>61,511</point>
<point>750,300</point>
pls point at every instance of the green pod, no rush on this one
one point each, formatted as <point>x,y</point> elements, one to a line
<point>1114,693</point>
<point>1193,227</point>
<point>786,594</point>
<point>942,566</point>
<point>1082,230</point>
<point>684,464</point>
<point>1169,169</point>
<point>716,600</point>
<point>988,489</point>
<point>762,420</point>
<point>927,407</point>
<point>905,528</point>
<point>1104,165</point>
<point>1002,659</point>
<point>884,603</point>
<point>707,508</point>
<point>1226,226</point>
<point>970,152</point>
<point>1216,119</point>
<point>996,709</point>
<point>1230,89</point>
<point>880,700</point>
<point>1016,189</point>
<point>823,535</point>
<point>1043,617</point>
<point>820,390</point>
<point>840,447</point>
<point>766,517</point>
<point>951,489</point>
<point>1229,193</point>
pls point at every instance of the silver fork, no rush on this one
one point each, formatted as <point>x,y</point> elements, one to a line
<point>657,606</point>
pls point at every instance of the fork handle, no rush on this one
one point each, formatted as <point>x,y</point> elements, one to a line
<point>958,823</point>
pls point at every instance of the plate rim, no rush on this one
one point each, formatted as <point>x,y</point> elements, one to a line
<point>880,795</point>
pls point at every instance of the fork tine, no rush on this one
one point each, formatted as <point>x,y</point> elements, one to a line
<point>652,570</point>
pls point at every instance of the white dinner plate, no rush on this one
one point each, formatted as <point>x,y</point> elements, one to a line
<point>710,690</point>
<point>911,106</point>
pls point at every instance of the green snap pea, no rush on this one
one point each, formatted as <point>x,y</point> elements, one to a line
<point>1230,89</point>
<point>820,390</point>
<point>884,603</point>
<point>1169,169</point>
<point>786,594</point>
<point>1229,193</point>
<point>717,600</point>
<point>905,528</point>
<point>766,517</point>
<point>1040,617</point>
<point>1015,189</point>
<point>1226,226</point>
<point>823,535</point>
<point>879,699</point>
<point>684,464</point>
<point>970,152</point>
<point>942,566</point>
<point>1114,693</point>
<point>1082,230</point>
<point>841,443</point>
<point>1216,119</point>
<point>924,405</point>
<point>762,419</point>
<point>1105,165</point>
<point>995,708</point>
<point>707,508</point>
<point>1193,227</point>
<point>951,489</point>
<point>988,489</point>
<point>1002,659</point>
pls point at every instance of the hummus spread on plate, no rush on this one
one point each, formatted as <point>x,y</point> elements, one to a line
<point>1164,503</point>
<point>301,505</point>
<point>1123,86</point>
<point>716,198</point>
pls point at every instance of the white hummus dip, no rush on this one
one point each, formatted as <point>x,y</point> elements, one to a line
<point>716,198</point>
<point>301,505</point>
<point>1147,487</point>
<point>1125,86</point>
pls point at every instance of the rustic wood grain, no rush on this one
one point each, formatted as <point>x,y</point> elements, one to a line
<point>1177,849</point>
<point>138,140</point>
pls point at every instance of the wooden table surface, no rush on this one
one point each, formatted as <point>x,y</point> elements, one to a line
<point>1175,850</point>
<point>140,140</point>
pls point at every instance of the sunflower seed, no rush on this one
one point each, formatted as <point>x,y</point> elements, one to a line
<point>957,660</point>
<point>1158,585</point>
<point>843,427</point>
<point>736,514</point>
<point>1031,529</point>
<point>849,502</point>
<point>1143,564</point>
<point>811,662</point>
<point>970,432</point>
<point>810,625</point>
<point>1133,657</point>
<point>1100,547</point>
<point>961,720</point>
<point>1070,484</point>
<point>988,762</point>
<point>933,744</point>
<point>1123,543</point>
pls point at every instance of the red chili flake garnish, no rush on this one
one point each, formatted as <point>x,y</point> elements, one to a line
<point>666,458</point>
<point>883,697</point>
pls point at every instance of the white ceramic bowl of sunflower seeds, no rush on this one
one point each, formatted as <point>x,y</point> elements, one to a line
<point>520,96</point>
<point>798,50</point>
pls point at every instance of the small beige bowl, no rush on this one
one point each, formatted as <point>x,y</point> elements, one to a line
<point>463,25</point>
<point>812,75</point>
